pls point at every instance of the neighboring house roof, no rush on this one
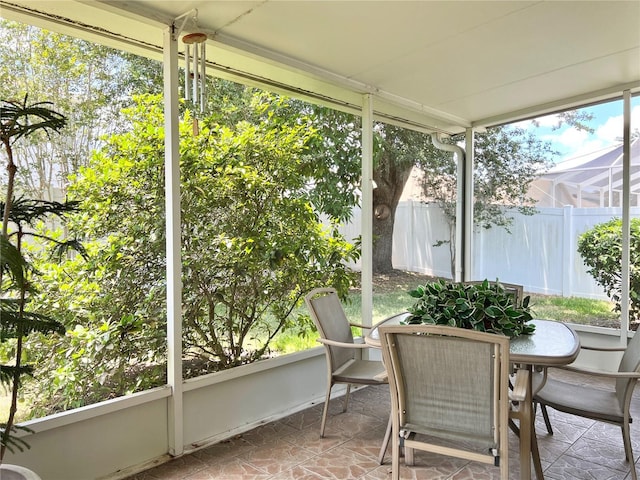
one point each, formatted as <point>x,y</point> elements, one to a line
<point>590,180</point>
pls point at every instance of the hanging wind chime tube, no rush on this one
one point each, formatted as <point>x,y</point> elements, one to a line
<point>187,74</point>
<point>195,74</point>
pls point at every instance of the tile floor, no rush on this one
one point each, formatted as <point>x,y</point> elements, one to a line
<point>291,449</point>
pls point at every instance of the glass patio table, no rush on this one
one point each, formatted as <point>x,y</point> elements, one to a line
<point>552,344</point>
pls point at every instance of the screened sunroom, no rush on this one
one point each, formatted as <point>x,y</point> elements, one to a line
<point>439,68</point>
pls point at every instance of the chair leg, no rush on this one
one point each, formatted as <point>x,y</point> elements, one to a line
<point>628,450</point>
<point>409,458</point>
<point>346,398</point>
<point>395,455</point>
<point>535,454</point>
<point>325,410</point>
<point>385,442</point>
<point>545,415</point>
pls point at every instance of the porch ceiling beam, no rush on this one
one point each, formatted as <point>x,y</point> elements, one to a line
<point>614,92</point>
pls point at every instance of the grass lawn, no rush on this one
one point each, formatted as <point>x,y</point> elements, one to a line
<point>390,296</point>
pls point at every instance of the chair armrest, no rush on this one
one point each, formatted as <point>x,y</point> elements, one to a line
<point>600,373</point>
<point>359,325</point>
<point>520,386</point>
<point>603,349</point>
<point>333,343</point>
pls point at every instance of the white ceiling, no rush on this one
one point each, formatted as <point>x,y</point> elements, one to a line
<point>440,64</point>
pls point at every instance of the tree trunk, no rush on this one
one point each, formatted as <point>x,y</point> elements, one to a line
<point>390,181</point>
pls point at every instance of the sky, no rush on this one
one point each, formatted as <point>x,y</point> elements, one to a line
<point>570,142</point>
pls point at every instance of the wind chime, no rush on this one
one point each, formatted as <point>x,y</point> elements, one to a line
<point>195,74</point>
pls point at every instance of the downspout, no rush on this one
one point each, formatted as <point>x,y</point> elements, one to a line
<point>461,240</point>
<point>367,210</point>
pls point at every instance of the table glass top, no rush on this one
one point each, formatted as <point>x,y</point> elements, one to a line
<point>552,343</point>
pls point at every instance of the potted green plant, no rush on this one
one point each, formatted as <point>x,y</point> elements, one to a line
<point>484,306</point>
<point>18,277</point>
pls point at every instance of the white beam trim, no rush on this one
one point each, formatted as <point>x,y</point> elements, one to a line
<point>174,265</point>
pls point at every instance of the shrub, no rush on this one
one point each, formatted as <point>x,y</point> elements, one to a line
<point>601,251</point>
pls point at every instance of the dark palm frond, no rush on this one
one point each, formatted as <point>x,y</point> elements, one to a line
<point>19,119</point>
<point>8,372</point>
<point>28,321</point>
<point>12,262</point>
<point>11,441</point>
<point>62,248</point>
<point>30,211</point>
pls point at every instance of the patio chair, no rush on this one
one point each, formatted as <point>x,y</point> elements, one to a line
<point>344,364</point>
<point>610,406</point>
<point>449,393</point>
<point>516,290</point>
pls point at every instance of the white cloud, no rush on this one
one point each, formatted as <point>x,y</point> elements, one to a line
<point>570,139</point>
<point>571,142</point>
<point>611,130</point>
<point>549,121</point>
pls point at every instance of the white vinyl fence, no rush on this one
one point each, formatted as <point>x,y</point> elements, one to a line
<point>539,253</point>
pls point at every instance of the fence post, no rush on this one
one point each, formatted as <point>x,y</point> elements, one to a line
<point>411,240</point>
<point>568,251</point>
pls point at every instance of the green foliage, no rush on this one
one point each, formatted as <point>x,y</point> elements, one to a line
<point>17,120</point>
<point>94,363</point>
<point>106,352</point>
<point>486,307</point>
<point>601,251</point>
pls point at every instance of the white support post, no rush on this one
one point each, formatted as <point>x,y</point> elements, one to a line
<point>410,251</point>
<point>579,199</point>
<point>611,185</point>
<point>367,210</point>
<point>626,218</point>
<point>174,265</point>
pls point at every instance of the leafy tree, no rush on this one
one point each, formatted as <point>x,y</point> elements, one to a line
<point>396,152</point>
<point>252,247</point>
<point>507,160</point>
<point>601,251</point>
<point>89,83</point>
